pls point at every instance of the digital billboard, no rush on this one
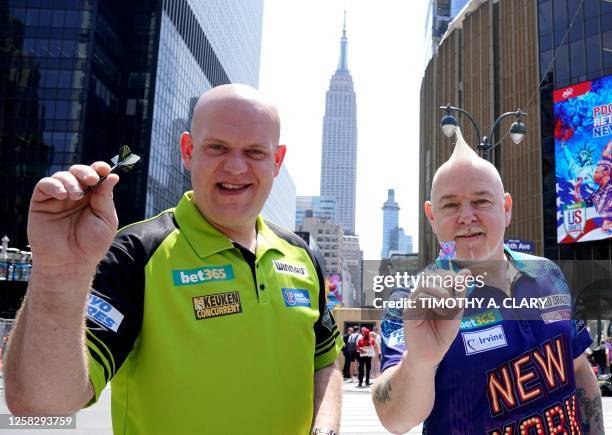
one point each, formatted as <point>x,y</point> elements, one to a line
<point>583,160</point>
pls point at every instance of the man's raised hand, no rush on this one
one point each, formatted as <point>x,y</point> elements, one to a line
<point>69,227</point>
<point>429,332</point>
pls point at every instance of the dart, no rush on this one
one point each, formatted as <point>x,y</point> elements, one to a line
<point>123,161</point>
<point>448,252</point>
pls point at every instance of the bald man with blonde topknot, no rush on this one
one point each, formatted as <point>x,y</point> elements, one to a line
<point>475,366</point>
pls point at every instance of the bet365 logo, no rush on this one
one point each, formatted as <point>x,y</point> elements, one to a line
<point>202,275</point>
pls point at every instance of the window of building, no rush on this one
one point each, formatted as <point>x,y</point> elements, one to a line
<point>546,42</point>
<point>45,17</point>
<point>32,17</point>
<point>71,19</point>
<point>58,18</point>
<point>19,14</point>
<point>593,55</point>
<point>62,109</point>
<point>606,23</point>
<point>68,49</point>
<point>545,16</point>
<point>591,8</point>
<point>606,40</point>
<point>562,65</point>
<point>578,65</point>
<point>576,32</point>
<point>591,27</point>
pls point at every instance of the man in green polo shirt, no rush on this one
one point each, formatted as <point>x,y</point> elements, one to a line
<point>205,318</point>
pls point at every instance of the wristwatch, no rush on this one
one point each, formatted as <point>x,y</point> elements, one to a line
<point>323,430</point>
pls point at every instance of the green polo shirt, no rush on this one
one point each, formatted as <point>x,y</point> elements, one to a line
<point>199,335</point>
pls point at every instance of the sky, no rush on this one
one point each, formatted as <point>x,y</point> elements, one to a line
<point>386,49</point>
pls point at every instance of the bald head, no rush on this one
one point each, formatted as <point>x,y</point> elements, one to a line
<point>468,205</point>
<point>233,155</point>
<point>242,101</point>
<point>464,160</point>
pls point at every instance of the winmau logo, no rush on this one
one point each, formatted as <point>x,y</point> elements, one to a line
<point>290,269</point>
<point>568,92</point>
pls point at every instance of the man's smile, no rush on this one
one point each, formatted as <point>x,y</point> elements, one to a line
<point>470,234</point>
<point>232,188</point>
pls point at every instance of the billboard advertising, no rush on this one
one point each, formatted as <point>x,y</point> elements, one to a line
<point>334,290</point>
<point>583,160</point>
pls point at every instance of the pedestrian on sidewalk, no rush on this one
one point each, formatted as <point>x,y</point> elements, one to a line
<point>608,345</point>
<point>348,351</point>
<point>376,358</point>
<point>600,355</point>
<point>354,355</point>
<point>366,349</point>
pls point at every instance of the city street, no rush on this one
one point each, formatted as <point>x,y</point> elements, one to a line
<point>358,416</point>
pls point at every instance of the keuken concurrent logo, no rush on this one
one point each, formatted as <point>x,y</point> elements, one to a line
<point>216,305</point>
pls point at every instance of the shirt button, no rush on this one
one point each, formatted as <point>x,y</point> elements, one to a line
<point>262,287</point>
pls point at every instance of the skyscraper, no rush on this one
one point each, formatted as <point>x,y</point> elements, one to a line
<point>439,14</point>
<point>390,224</point>
<point>81,78</point>
<point>404,242</point>
<point>339,157</point>
<point>353,258</point>
<point>321,207</point>
<point>329,239</point>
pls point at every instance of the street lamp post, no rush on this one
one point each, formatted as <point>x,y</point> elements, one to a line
<point>517,129</point>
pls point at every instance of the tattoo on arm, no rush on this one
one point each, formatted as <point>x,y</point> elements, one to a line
<point>590,412</point>
<point>383,391</point>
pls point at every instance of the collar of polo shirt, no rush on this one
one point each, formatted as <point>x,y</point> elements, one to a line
<point>207,240</point>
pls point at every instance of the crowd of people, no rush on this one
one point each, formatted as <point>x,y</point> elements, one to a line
<point>601,356</point>
<point>362,355</point>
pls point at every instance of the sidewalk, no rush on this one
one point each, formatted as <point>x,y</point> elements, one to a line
<point>358,414</point>
<point>352,387</point>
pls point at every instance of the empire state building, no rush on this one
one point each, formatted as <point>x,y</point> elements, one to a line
<point>339,156</point>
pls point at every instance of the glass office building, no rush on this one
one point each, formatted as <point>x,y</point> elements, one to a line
<point>280,205</point>
<point>439,14</point>
<point>80,78</point>
<point>586,54</point>
<point>320,207</point>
